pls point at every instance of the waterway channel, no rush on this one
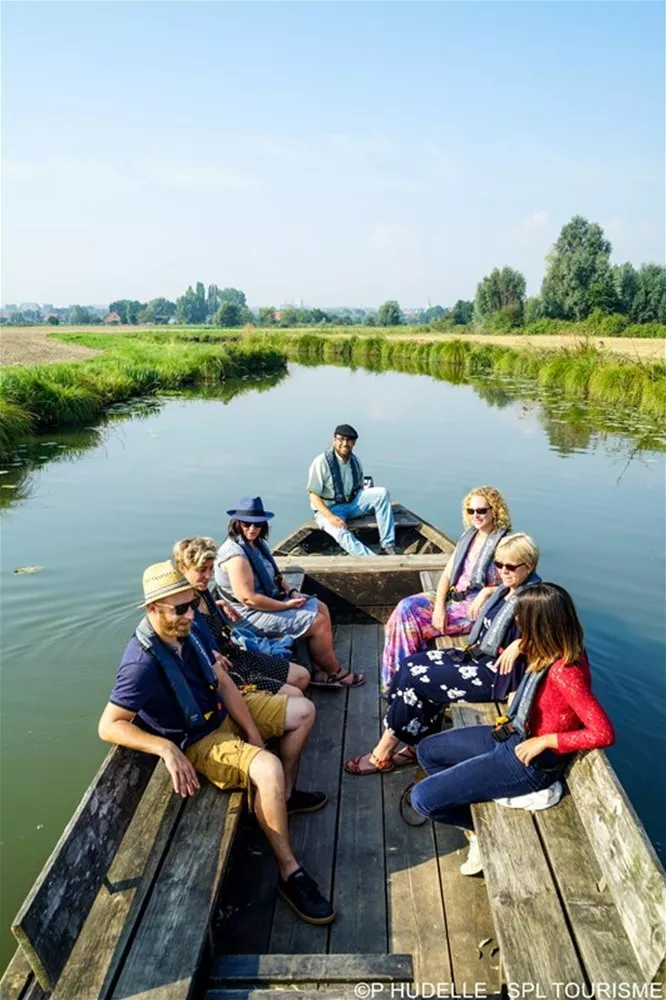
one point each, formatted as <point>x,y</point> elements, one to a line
<point>93,508</point>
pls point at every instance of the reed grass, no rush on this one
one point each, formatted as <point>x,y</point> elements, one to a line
<point>583,372</point>
<point>75,394</point>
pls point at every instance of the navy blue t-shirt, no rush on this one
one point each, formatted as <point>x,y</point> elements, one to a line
<point>142,687</point>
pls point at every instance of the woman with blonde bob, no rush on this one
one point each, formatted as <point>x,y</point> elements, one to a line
<point>195,558</point>
<point>487,670</point>
<point>553,715</point>
<point>467,582</point>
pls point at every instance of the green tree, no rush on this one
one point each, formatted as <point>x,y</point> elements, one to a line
<point>578,275</point>
<point>649,304</point>
<point>82,316</point>
<point>625,278</point>
<point>433,313</point>
<point>533,310</point>
<point>53,320</point>
<point>501,291</point>
<point>233,295</point>
<point>462,313</point>
<point>212,301</point>
<point>229,314</point>
<point>158,311</point>
<point>127,309</point>
<point>390,314</point>
<point>288,316</point>
<point>267,316</point>
<point>191,307</point>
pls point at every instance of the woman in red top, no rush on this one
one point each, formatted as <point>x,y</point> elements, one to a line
<point>480,763</point>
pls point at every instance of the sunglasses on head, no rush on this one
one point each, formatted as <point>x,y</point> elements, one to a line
<point>512,567</point>
<point>182,609</point>
<point>477,510</point>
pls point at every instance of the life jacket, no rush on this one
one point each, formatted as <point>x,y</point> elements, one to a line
<point>170,664</point>
<point>483,560</point>
<point>491,641</point>
<point>334,469</point>
<point>267,584</point>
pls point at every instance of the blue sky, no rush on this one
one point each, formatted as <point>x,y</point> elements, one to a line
<point>339,153</point>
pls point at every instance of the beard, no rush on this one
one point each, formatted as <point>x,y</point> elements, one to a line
<point>175,628</point>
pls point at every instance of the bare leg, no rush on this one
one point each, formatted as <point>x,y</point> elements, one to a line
<point>298,723</point>
<point>270,808</point>
<point>290,691</point>
<point>298,676</point>
<point>320,644</point>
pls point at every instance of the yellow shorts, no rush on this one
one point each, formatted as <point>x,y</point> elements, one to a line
<point>224,756</point>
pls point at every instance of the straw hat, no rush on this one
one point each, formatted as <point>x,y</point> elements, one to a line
<point>160,580</point>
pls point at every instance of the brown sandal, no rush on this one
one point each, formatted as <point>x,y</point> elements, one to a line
<point>405,757</point>
<point>335,680</point>
<point>355,765</point>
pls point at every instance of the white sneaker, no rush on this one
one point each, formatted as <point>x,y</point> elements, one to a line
<point>473,865</point>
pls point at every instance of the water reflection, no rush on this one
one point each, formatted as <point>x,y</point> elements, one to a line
<point>69,445</point>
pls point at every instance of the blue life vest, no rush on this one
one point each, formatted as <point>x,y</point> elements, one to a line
<point>483,560</point>
<point>521,706</point>
<point>334,469</point>
<point>267,583</point>
<point>170,664</point>
<point>491,641</point>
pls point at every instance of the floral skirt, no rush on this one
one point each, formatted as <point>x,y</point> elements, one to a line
<point>426,683</point>
<point>409,628</point>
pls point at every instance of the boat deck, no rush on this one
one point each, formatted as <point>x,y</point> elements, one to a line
<point>396,888</point>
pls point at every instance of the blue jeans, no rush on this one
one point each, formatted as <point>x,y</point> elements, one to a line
<point>374,498</point>
<point>467,765</point>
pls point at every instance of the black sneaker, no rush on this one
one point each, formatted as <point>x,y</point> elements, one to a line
<point>305,802</point>
<point>390,550</point>
<point>305,899</point>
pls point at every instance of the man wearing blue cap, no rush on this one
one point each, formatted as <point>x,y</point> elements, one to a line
<point>337,493</point>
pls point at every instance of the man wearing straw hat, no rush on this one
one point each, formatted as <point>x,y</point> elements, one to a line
<point>173,698</point>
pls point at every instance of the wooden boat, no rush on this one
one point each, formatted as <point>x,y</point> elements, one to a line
<point>149,896</point>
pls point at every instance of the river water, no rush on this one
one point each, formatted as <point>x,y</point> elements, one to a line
<point>94,508</point>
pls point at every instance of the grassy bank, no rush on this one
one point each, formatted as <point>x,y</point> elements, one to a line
<point>75,394</point>
<point>579,373</point>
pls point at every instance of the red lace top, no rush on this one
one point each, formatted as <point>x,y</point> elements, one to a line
<point>565,705</point>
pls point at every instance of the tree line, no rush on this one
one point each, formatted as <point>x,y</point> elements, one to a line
<point>580,283</point>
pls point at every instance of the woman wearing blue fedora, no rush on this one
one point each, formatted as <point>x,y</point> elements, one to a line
<point>249,579</point>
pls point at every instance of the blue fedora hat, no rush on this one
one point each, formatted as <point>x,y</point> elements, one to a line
<point>251,509</point>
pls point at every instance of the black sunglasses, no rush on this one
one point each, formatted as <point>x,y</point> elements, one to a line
<point>512,567</point>
<point>182,609</point>
<point>477,510</point>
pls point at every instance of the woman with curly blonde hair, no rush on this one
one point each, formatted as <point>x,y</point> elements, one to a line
<point>467,582</point>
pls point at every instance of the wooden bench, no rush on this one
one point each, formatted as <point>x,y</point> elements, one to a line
<point>123,906</point>
<point>577,893</point>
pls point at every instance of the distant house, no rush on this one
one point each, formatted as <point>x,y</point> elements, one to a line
<point>112,319</point>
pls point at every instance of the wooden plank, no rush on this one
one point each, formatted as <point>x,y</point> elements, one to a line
<point>294,580</point>
<point>525,906</point>
<point>602,942</point>
<point>18,978</point>
<point>313,836</point>
<point>630,866</point>
<point>165,953</point>
<point>429,579</point>
<point>104,939</point>
<point>467,913</point>
<point>295,968</point>
<point>360,564</point>
<point>359,898</point>
<point>416,921</point>
<point>50,920</point>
